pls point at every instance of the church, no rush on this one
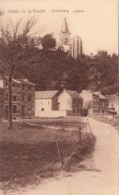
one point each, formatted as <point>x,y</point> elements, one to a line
<point>71,45</point>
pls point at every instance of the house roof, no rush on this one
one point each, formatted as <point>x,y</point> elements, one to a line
<point>16,81</point>
<point>19,81</point>
<point>86,94</point>
<point>25,81</point>
<point>45,94</point>
<point>100,95</point>
<point>112,98</point>
<point>73,94</point>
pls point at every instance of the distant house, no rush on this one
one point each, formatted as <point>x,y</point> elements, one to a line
<point>113,104</point>
<point>100,103</point>
<point>87,97</point>
<point>23,99</point>
<point>45,101</point>
<point>70,101</point>
<point>94,102</point>
<point>46,104</point>
<point>1,102</point>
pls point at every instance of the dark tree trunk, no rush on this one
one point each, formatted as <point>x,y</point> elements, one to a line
<point>10,106</point>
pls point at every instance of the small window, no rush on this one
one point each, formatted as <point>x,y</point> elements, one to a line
<point>6,96</point>
<point>29,98</point>
<point>22,97</point>
<point>14,98</point>
<point>29,88</point>
<point>7,107</point>
<point>14,85</point>
<point>6,85</point>
<point>29,109</point>
<point>18,86</point>
<point>14,108</point>
<point>42,109</point>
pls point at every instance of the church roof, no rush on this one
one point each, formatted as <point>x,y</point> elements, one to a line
<point>65,28</point>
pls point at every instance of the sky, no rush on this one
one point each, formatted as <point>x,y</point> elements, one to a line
<point>95,21</point>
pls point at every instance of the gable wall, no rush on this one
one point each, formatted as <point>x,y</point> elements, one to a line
<point>65,101</point>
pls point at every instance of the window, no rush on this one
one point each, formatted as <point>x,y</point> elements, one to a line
<point>6,85</point>
<point>14,108</point>
<point>42,109</point>
<point>6,96</point>
<point>23,108</point>
<point>17,85</point>
<point>29,98</point>
<point>58,106</point>
<point>6,111</point>
<point>14,98</point>
<point>29,109</point>
<point>23,87</point>
<point>22,97</point>
<point>14,85</point>
<point>29,88</point>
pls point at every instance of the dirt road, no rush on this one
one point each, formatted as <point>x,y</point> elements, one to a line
<point>101,176</point>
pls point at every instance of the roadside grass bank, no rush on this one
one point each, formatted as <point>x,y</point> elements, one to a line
<point>31,154</point>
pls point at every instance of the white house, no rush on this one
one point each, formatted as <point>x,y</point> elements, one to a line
<point>70,101</point>
<point>113,103</point>
<point>46,104</point>
<point>87,96</point>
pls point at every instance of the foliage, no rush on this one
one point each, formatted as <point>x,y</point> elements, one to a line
<point>53,69</point>
<point>56,70</point>
<point>48,42</point>
<point>13,44</point>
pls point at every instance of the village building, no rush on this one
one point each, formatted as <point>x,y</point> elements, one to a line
<point>100,103</point>
<point>23,99</point>
<point>46,104</point>
<point>70,101</point>
<point>57,104</point>
<point>113,104</point>
<point>1,101</point>
<point>87,97</point>
<point>94,102</point>
<point>46,101</point>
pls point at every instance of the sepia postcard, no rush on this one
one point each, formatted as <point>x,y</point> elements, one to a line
<point>59,106</point>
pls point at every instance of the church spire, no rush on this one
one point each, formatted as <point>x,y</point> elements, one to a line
<point>65,28</point>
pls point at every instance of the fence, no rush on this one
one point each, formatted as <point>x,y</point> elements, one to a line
<point>51,114</point>
<point>111,119</point>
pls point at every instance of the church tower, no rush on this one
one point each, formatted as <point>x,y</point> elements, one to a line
<point>65,36</point>
<point>76,48</point>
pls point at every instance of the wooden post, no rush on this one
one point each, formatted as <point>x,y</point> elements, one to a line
<point>58,148</point>
<point>89,126</point>
<point>80,134</point>
<point>86,130</point>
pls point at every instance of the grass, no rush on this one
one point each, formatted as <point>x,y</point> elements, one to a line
<point>30,154</point>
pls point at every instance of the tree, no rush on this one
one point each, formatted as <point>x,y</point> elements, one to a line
<point>14,43</point>
<point>48,42</point>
